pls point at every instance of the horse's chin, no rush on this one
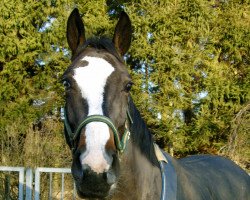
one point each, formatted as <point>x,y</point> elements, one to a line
<point>94,194</point>
<point>89,195</point>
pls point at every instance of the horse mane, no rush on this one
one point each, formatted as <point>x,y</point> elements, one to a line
<point>141,135</point>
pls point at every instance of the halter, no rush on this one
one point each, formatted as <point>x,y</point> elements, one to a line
<point>120,144</point>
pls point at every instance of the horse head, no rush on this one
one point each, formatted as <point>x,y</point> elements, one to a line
<point>97,86</point>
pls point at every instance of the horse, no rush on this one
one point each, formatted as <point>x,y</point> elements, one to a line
<point>114,155</point>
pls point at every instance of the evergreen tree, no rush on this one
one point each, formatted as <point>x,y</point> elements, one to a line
<point>189,61</point>
<point>193,69</point>
<point>33,55</point>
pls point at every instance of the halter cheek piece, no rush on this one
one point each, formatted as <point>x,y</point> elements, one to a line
<point>120,143</point>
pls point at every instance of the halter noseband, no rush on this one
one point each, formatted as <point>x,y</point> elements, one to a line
<point>120,144</point>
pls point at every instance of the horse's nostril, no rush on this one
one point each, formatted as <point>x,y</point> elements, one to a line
<point>105,177</point>
<point>110,177</point>
<point>86,170</point>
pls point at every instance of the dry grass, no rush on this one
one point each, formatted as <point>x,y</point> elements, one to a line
<point>43,147</point>
<point>238,146</point>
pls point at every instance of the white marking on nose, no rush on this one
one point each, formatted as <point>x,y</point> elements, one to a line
<point>95,156</point>
<point>91,80</point>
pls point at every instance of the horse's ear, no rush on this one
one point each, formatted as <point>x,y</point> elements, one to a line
<point>75,31</point>
<point>123,34</point>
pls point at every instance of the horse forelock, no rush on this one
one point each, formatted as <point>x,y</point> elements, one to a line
<point>97,44</point>
<point>100,43</point>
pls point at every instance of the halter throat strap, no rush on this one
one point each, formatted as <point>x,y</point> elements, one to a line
<point>120,143</point>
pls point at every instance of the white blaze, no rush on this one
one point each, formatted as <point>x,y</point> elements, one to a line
<point>91,80</point>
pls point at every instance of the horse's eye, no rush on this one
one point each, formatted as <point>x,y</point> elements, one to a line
<point>128,86</point>
<point>66,84</point>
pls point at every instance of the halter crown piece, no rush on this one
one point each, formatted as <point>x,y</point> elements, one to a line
<point>120,144</point>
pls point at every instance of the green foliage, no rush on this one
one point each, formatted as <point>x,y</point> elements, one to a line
<point>31,61</point>
<point>193,70</point>
<point>189,61</point>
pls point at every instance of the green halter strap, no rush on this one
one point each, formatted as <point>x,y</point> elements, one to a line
<point>120,144</point>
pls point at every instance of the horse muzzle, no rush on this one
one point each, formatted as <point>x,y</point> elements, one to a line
<point>92,184</point>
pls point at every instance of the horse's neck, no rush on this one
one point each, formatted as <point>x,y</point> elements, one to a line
<point>140,174</point>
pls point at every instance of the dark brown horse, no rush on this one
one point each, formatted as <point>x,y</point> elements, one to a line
<point>114,155</point>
